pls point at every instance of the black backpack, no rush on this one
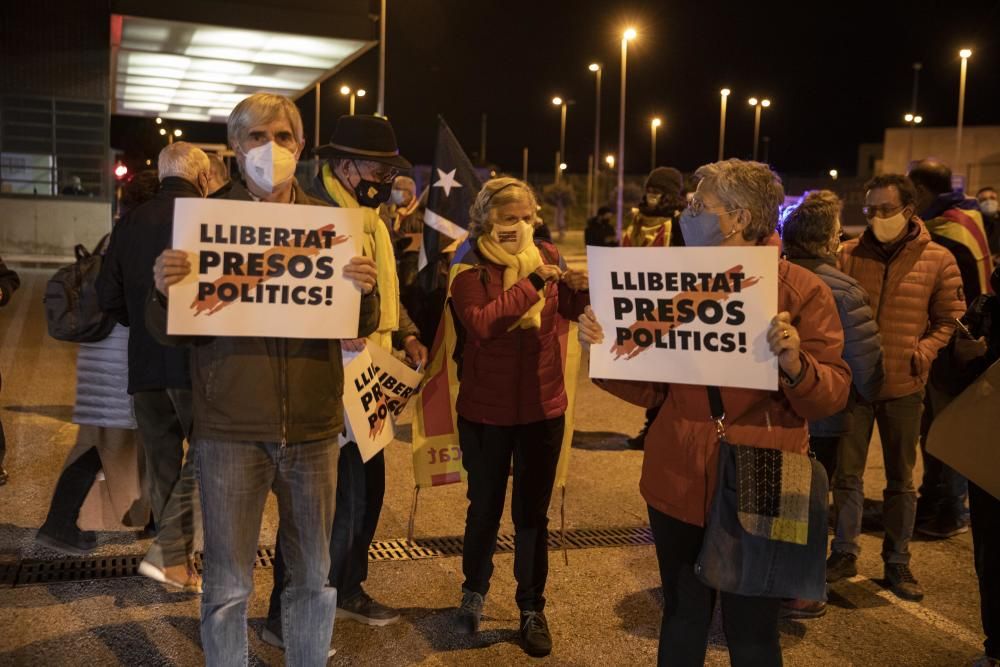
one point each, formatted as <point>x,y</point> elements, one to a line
<point>71,308</point>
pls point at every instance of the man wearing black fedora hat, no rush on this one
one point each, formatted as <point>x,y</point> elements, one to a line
<point>361,162</point>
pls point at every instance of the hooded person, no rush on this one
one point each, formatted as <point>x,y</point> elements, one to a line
<point>361,164</point>
<point>662,201</point>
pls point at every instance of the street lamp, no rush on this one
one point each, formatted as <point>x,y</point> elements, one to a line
<point>964,54</point>
<point>610,161</point>
<point>159,121</point>
<point>653,124</point>
<point>177,133</point>
<point>834,174</point>
<point>596,69</point>
<point>724,95</point>
<point>561,103</point>
<point>562,166</point>
<point>758,105</point>
<point>346,90</point>
<point>626,36</point>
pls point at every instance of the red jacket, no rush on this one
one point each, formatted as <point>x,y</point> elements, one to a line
<point>680,467</point>
<point>511,377</point>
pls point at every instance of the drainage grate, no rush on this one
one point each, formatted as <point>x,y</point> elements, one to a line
<point>36,572</point>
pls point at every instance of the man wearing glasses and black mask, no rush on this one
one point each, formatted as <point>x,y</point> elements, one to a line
<point>360,164</point>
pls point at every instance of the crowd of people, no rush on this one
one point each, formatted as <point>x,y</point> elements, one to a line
<point>885,328</point>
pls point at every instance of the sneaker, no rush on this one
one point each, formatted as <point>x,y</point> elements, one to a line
<point>470,613</point>
<point>902,582</point>
<point>363,609</point>
<point>802,609</point>
<point>177,577</point>
<point>535,634</point>
<point>271,634</point>
<point>74,542</point>
<point>942,528</point>
<point>841,565</point>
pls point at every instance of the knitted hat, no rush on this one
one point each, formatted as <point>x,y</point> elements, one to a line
<point>666,179</point>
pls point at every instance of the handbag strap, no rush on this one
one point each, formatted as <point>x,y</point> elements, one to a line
<point>718,411</point>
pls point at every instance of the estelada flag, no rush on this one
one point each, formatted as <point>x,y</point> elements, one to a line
<point>437,458</point>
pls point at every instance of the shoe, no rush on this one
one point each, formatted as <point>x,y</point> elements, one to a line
<point>987,661</point>
<point>902,582</point>
<point>802,609</point>
<point>177,577</point>
<point>74,542</point>
<point>942,528</point>
<point>535,634</point>
<point>271,634</point>
<point>3,476</point>
<point>363,609</point>
<point>470,613</point>
<point>841,565</point>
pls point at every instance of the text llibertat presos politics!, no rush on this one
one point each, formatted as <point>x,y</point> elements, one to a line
<point>683,308</point>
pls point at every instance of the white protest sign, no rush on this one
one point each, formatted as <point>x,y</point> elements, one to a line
<point>366,413</point>
<point>399,382</point>
<point>688,315</point>
<point>264,269</point>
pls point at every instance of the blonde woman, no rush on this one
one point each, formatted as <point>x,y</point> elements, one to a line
<point>512,398</point>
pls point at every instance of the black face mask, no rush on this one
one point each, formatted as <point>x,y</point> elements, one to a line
<point>371,193</point>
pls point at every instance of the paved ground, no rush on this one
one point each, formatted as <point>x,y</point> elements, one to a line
<point>603,606</point>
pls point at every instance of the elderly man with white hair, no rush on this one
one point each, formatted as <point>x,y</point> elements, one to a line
<point>267,413</point>
<point>158,376</point>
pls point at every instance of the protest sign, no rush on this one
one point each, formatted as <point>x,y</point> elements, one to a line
<point>690,315</point>
<point>265,270</point>
<point>377,387</point>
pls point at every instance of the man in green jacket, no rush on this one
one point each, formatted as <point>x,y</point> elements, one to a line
<point>267,413</point>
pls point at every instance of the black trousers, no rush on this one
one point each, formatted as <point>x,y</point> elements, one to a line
<point>71,490</point>
<point>360,494</point>
<point>164,418</point>
<point>750,624</point>
<point>3,445</point>
<point>487,453</point>
<point>985,515</point>
<point>825,449</point>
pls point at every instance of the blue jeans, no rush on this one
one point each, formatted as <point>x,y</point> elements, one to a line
<point>235,478</point>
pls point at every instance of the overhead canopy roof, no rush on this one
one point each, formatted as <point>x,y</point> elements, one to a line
<point>192,71</point>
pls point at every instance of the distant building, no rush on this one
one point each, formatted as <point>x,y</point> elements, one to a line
<point>980,151</point>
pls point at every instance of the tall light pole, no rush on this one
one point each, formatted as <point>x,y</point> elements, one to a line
<point>913,104</point>
<point>596,69</point>
<point>381,62</point>
<point>346,90</point>
<point>912,120</point>
<point>964,54</point>
<point>653,125</point>
<point>561,103</point>
<point>626,36</point>
<point>724,96</point>
<point>758,105</point>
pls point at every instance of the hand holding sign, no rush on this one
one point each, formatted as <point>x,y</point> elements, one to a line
<point>362,271</point>
<point>785,343</point>
<point>172,266</point>
<point>590,331</point>
<point>416,353</point>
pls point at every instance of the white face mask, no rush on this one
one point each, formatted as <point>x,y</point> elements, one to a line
<point>399,197</point>
<point>989,206</point>
<point>268,167</point>
<point>513,238</point>
<point>888,229</point>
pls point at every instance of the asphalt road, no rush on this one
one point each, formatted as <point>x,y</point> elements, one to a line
<point>603,606</point>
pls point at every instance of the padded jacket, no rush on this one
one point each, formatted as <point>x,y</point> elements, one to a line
<point>862,343</point>
<point>680,466</point>
<point>511,377</point>
<point>916,291</point>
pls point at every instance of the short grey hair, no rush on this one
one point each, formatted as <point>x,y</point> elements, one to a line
<point>751,186</point>
<point>258,109</point>
<point>495,193</point>
<point>219,168</point>
<point>183,160</point>
<point>808,228</point>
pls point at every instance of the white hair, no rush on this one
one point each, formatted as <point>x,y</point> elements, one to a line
<point>183,160</point>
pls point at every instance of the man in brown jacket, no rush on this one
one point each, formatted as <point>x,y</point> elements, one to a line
<point>916,291</point>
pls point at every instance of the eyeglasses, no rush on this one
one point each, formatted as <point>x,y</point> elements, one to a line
<point>881,211</point>
<point>696,206</point>
<point>381,173</point>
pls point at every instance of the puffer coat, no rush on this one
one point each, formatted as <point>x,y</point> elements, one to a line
<point>862,343</point>
<point>511,377</point>
<point>101,381</point>
<point>916,293</point>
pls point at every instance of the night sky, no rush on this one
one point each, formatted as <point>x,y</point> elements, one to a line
<point>837,75</point>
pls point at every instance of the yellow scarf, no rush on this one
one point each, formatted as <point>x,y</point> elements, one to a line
<point>516,267</point>
<point>377,244</point>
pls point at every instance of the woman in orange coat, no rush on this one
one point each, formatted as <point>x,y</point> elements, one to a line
<point>736,204</point>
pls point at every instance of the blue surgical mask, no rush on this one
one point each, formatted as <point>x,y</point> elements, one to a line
<point>702,229</point>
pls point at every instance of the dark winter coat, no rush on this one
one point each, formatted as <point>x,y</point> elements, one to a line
<point>862,343</point>
<point>511,377</point>
<point>126,280</point>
